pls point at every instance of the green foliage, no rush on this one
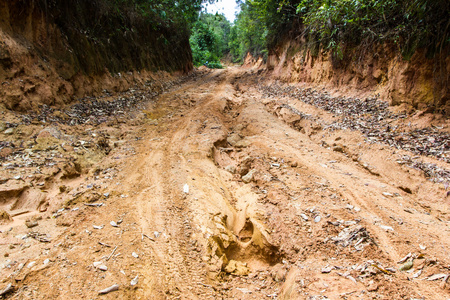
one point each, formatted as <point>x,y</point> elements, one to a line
<point>408,23</point>
<point>209,40</point>
<point>259,25</point>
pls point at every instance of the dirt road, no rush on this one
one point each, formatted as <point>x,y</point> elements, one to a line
<point>218,191</point>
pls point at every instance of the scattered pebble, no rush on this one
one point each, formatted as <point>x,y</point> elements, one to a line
<point>135,280</point>
<point>110,289</point>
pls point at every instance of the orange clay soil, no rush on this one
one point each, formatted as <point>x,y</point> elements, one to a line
<point>208,192</point>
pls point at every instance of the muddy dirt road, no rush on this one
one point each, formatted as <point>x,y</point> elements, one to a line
<point>215,190</point>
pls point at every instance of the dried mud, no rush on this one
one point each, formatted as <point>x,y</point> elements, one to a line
<point>217,189</point>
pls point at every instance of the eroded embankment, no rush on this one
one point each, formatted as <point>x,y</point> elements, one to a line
<point>379,71</point>
<point>53,52</point>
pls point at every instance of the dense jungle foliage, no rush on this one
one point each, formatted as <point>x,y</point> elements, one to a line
<point>209,40</point>
<point>329,24</point>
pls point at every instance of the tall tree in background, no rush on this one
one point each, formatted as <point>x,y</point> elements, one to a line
<point>209,39</point>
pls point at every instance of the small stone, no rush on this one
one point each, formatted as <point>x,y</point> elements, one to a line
<point>9,131</point>
<point>31,223</point>
<point>46,261</point>
<point>233,139</point>
<point>99,265</point>
<point>317,219</point>
<point>387,228</point>
<point>231,169</point>
<point>113,224</point>
<point>135,255</point>
<point>186,188</point>
<point>407,265</point>
<point>97,227</point>
<point>31,264</point>
<point>135,280</point>
<point>338,149</point>
<point>327,269</point>
<point>249,176</point>
<point>112,288</point>
<point>304,217</point>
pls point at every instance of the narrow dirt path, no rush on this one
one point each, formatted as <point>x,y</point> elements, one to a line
<point>221,194</point>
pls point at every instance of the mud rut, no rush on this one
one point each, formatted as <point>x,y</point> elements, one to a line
<point>269,211</point>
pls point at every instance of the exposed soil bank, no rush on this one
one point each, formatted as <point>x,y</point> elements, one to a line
<point>53,52</point>
<point>419,82</point>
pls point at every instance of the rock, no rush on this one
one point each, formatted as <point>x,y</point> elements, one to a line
<point>113,224</point>
<point>304,217</point>
<point>110,289</point>
<point>135,280</point>
<point>237,268</point>
<point>5,217</point>
<point>135,255</point>
<point>249,176</point>
<point>99,265</point>
<point>327,269</point>
<point>317,219</point>
<point>31,223</point>
<point>339,149</point>
<point>9,131</point>
<point>2,126</point>
<point>231,169</point>
<point>244,143</point>
<point>245,165</point>
<point>71,170</point>
<point>407,265</point>
<point>279,272</point>
<point>387,228</point>
<point>186,188</point>
<point>233,138</point>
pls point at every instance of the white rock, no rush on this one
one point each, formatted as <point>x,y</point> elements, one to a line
<point>186,188</point>
<point>135,280</point>
<point>387,228</point>
<point>135,255</point>
<point>317,219</point>
<point>113,224</point>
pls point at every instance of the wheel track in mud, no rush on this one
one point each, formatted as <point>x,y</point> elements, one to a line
<point>161,206</point>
